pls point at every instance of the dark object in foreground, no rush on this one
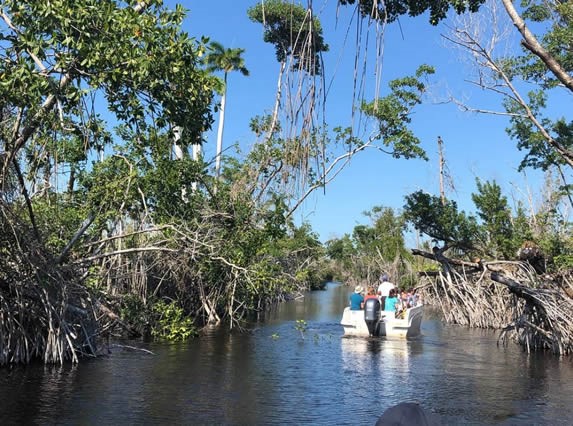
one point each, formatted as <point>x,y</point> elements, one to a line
<point>372,316</point>
<point>408,414</point>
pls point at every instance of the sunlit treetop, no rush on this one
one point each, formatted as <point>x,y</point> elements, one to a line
<point>390,10</point>
<point>293,30</point>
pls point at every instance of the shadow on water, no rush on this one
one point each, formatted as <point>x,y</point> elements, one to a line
<point>278,374</point>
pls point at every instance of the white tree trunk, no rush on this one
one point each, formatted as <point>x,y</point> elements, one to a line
<point>278,99</point>
<point>196,155</point>
<point>178,153</point>
<point>177,150</point>
<point>220,133</point>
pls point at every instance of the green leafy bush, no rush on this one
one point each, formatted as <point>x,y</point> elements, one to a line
<point>171,323</point>
<point>134,312</point>
<point>563,261</point>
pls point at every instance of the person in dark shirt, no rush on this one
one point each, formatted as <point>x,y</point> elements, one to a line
<point>356,299</point>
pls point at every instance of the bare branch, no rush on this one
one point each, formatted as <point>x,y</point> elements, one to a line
<point>483,55</point>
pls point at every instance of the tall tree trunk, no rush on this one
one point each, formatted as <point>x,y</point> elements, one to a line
<point>71,181</point>
<point>441,155</point>
<point>196,153</point>
<point>220,130</point>
<point>177,150</point>
<point>278,99</point>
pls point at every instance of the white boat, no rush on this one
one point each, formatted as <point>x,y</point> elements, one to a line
<point>387,324</point>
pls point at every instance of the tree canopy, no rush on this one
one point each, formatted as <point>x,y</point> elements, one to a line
<point>389,11</point>
<point>294,32</point>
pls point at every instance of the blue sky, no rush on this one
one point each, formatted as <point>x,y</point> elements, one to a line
<point>475,145</point>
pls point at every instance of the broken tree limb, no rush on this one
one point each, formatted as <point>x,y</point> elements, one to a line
<point>439,257</point>
<point>514,287</point>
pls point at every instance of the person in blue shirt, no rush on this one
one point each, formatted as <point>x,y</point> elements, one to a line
<point>391,301</point>
<point>356,299</point>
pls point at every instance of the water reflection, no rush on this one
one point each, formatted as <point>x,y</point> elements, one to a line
<point>276,375</point>
<point>366,354</point>
<point>51,386</point>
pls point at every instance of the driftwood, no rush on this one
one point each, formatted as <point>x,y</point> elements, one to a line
<point>534,310</point>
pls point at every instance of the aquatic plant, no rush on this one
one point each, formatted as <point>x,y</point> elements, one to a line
<point>301,326</point>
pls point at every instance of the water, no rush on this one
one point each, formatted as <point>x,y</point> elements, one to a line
<point>273,375</point>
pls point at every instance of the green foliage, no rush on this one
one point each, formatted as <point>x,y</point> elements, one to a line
<point>58,218</point>
<point>141,63</point>
<point>340,249</point>
<point>389,228</point>
<point>171,322</point>
<point>556,247</point>
<point>147,77</point>
<point>341,252</point>
<point>135,312</point>
<point>313,278</point>
<point>92,280</point>
<point>389,11</point>
<point>441,220</point>
<point>563,262</point>
<point>499,234</point>
<point>430,267</point>
<point>392,114</point>
<point>116,175</point>
<point>521,229</point>
<point>543,133</point>
<point>551,227</point>
<point>531,139</point>
<point>371,249</point>
<point>495,215</point>
<point>289,28</point>
<point>260,125</point>
<point>383,239</point>
<point>557,19</point>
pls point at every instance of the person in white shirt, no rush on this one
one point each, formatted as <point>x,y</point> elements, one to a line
<point>384,288</point>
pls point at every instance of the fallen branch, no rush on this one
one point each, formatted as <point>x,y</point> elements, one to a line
<point>133,348</point>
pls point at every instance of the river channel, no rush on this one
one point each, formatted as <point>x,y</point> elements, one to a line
<point>276,374</point>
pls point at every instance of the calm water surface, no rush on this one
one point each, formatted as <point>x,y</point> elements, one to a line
<point>275,376</point>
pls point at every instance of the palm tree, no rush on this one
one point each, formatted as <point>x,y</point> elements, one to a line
<point>226,60</point>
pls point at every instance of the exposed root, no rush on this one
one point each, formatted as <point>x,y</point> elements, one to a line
<point>536,311</point>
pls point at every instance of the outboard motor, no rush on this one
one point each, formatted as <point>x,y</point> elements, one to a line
<point>372,316</point>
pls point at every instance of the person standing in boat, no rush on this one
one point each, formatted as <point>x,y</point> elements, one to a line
<point>391,301</point>
<point>384,288</point>
<point>356,299</point>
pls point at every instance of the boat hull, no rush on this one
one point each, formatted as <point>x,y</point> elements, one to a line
<point>389,326</point>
